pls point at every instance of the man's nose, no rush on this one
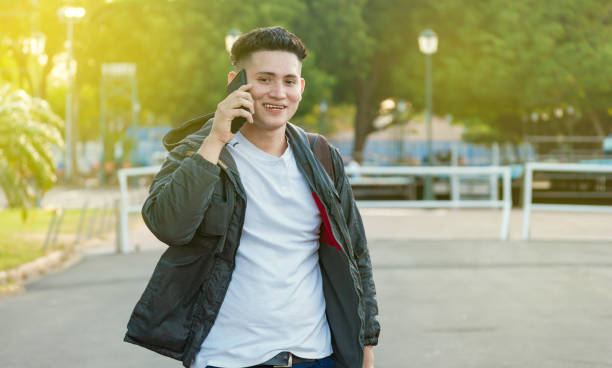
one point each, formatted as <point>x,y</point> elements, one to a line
<point>277,90</point>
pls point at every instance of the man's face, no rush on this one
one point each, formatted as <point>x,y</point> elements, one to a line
<point>277,87</point>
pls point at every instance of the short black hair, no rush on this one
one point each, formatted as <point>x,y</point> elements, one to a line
<point>267,39</point>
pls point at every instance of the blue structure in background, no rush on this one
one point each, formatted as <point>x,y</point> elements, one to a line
<point>149,149</point>
<point>385,152</point>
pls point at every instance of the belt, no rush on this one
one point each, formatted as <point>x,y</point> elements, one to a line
<point>285,359</point>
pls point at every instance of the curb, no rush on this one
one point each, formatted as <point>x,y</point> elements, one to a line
<point>11,280</point>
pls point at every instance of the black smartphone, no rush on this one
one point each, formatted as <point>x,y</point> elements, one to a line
<point>239,80</point>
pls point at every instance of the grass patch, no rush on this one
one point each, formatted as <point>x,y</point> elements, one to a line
<point>38,220</point>
<point>13,254</point>
<point>22,241</point>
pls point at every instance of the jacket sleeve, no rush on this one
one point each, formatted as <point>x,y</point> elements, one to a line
<point>179,196</point>
<point>360,247</point>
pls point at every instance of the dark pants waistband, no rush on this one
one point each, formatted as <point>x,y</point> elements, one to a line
<point>283,360</point>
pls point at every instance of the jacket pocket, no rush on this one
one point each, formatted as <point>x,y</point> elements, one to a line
<point>216,218</point>
<point>164,314</point>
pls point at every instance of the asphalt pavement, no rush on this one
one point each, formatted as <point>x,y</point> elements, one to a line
<point>443,303</point>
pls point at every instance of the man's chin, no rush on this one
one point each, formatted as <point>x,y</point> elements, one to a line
<point>270,125</point>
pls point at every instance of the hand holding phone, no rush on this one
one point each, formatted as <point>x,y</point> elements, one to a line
<point>239,80</point>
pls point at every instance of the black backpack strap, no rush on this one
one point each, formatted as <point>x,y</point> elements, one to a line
<point>320,148</point>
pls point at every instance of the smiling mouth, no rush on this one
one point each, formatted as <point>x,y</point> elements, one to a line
<point>273,107</point>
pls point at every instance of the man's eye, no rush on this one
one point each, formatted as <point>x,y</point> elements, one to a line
<point>290,81</point>
<point>264,79</point>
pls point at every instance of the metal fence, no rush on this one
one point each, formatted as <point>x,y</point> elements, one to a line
<point>528,204</point>
<point>125,208</point>
<point>405,174</point>
<point>94,221</point>
<point>456,174</point>
<point>390,174</point>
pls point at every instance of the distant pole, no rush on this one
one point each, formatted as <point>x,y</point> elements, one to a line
<point>135,115</point>
<point>429,107</point>
<point>400,109</point>
<point>428,44</point>
<point>68,127</point>
<point>69,15</point>
<point>101,168</point>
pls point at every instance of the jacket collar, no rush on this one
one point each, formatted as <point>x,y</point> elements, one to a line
<point>194,131</point>
<point>312,169</point>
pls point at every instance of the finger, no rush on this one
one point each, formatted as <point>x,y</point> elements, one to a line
<point>248,104</point>
<point>245,87</point>
<point>246,95</point>
<point>243,113</point>
<point>239,94</point>
<point>242,102</point>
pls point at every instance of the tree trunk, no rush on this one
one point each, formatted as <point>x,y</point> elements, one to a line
<point>596,123</point>
<point>365,113</point>
<point>24,75</point>
<point>43,78</point>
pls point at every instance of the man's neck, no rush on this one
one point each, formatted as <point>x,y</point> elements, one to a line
<point>272,142</point>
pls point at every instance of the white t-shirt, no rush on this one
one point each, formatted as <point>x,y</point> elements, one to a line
<point>275,299</point>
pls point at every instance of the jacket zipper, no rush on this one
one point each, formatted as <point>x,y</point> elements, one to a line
<point>346,243</point>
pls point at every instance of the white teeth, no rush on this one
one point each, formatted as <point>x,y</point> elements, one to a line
<point>268,106</point>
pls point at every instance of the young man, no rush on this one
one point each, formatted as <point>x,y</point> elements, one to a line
<point>267,262</point>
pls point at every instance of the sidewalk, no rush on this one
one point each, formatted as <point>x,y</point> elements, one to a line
<point>463,224</point>
<point>452,302</point>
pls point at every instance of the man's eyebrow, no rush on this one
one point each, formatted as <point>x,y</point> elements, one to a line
<point>272,74</point>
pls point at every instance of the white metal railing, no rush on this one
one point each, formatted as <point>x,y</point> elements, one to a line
<point>528,206</point>
<point>388,172</point>
<point>124,208</point>
<point>455,173</point>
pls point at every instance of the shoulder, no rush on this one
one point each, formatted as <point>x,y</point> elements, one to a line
<point>189,136</point>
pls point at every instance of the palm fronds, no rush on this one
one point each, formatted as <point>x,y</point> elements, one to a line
<point>28,129</point>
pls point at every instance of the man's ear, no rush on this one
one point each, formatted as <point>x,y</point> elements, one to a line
<point>231,76</point>
<point>302,85</point>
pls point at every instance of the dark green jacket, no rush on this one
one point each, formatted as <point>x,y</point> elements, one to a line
<point>198,209</point>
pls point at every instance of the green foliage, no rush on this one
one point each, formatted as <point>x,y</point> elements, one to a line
<point>498,60</point>
<point>28,128</point>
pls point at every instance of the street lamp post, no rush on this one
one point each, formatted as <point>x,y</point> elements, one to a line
<point>69,15</point>
<point>428,44</point>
